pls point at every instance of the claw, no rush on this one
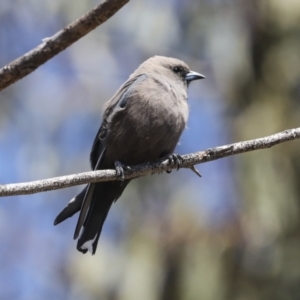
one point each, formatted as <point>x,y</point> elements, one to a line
<point>176,159</point>
<point>120,169</point>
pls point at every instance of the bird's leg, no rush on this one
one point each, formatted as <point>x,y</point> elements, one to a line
<point>176,159</point>
<point>120,169</point>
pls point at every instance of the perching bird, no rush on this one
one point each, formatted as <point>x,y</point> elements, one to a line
<point>141,123</point>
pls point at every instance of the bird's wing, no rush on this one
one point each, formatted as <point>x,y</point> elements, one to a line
<point>117,103</point>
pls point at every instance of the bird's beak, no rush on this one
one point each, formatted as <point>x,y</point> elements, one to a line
<point>193,76</point>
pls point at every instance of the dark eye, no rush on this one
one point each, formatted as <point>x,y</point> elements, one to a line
<point>177,69</point>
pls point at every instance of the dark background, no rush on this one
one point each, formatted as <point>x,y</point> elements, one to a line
<point>234,233</point>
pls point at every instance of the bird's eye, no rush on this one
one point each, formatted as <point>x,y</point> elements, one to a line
<point>177,69</point>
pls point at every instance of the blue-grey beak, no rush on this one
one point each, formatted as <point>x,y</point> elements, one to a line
<point>193,76</point>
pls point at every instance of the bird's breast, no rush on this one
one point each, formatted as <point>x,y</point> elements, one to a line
<point>149,125</point>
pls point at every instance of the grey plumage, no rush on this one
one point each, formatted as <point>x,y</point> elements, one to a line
<point>141,123</point>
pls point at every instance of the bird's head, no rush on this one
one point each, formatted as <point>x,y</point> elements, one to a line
<point>171,68</point>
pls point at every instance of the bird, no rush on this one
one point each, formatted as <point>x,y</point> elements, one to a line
<point>141,123</point>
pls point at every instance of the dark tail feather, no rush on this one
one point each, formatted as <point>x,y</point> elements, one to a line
<point>87,202</point>
<point>102,197</point>
<point>72,207</point>
<point>92,228</point>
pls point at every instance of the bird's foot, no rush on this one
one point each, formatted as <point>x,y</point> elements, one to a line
<point>120,169</point>
<point>176,159</point>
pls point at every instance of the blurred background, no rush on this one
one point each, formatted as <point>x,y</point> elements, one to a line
<point>234,233</point>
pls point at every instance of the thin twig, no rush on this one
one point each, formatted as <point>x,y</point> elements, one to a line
<point>188,161</point>
<point>53,45</point>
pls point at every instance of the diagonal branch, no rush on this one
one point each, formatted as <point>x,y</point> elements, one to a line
<point>189,160</point>
<point>53,45</point>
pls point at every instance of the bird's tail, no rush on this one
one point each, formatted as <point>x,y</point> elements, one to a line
<point>97,202</point>
<point>72,207</point>
<point>93,202</point>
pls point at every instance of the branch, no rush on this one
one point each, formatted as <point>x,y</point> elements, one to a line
<point>189,160</point>
<point>51,46</point>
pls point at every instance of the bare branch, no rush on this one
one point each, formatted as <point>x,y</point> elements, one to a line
<point>189,160</point>
<point>51,46</point>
